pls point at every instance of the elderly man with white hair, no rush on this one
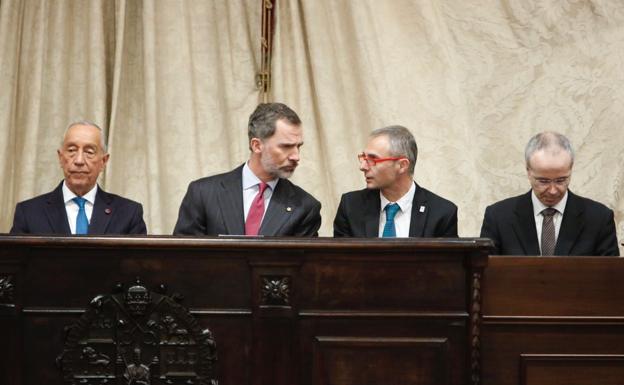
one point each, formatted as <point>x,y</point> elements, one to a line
<point>78,205</point>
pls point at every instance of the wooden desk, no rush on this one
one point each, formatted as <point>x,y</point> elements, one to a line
<point>282,311</point>
<point>553,320</point>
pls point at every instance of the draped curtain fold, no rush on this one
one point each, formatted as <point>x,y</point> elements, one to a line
<point>173,84</point>
<point>184,89</point>
<point>473,81</point>
<point>54,67</point>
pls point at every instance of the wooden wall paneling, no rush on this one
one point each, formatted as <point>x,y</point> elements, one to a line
<point>282,311</point>
<point>571,369</point>
<point>553,320</point>
<point>11,284</point>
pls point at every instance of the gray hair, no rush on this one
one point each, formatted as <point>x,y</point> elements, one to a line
<point>402,143</point>
<point>84,122</point>
<point>548,140</point>
<point>262,120</point>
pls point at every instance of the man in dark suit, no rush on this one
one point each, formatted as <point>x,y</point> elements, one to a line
<point>550,219</point>
<point>256,198</point>
<point>392,204</point>
<point>78,205</point>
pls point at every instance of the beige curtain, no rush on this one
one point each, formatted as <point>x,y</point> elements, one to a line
<point>53,68</point>
<point>472,80</point>
<point>173,82</point>
<point>182,92</point>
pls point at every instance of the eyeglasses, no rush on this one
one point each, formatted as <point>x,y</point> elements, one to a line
<point>544,182</point>
<point>372,161</point>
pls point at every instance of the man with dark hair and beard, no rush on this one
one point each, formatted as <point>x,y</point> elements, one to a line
<point>256,198</point>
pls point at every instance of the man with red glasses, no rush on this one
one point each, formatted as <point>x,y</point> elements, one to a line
<point>392,204</point>
<point>550,219</point>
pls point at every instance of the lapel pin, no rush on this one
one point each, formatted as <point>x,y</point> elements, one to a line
<point>289,209</point>
<point>107,211</point>
<point>422,209</point>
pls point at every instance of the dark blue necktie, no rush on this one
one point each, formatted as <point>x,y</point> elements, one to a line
<point>82,223</point>
<point>389,230</point>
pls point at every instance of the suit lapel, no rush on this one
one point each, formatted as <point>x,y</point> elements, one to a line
<point>56,213</point>
<point>279,211</point>
<point>418,220</point>
<point>230,200</point>
<point>102,212</point>
<point>372,210</point>
<point>524,226</point>
<point>571,225</point>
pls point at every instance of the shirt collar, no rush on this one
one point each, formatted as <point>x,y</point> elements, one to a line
<point>250,179</point>
<point>68,195</point>
<point>538,206</point>
<point>405,202</point>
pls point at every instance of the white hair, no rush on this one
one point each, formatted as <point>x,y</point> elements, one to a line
<point>84,122</point>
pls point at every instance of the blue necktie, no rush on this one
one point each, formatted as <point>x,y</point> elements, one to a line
<point>389,230</point>
<point>82,223</point>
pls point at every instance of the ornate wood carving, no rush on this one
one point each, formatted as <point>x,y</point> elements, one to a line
<point>276,290</point>
<point>136,336</point>
<point>475,330</point>
<point>6,289</point>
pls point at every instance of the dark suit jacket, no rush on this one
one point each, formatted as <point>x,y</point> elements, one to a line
<point>46,214</point>
<point>214,206</point>
<point>358,215</point>
<point>587,227</point>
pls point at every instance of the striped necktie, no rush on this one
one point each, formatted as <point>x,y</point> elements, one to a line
<point>548,231</point>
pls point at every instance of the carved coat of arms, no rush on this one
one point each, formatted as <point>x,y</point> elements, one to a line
<point>138,337</point>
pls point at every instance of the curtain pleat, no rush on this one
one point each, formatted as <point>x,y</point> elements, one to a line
<point>473,81</point>
<point>172,83</point>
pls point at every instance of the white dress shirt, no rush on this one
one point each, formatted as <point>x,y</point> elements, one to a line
<point>538,207</point>
<point>72,208</point>
<point>403,217</point>
<point>251,186</point>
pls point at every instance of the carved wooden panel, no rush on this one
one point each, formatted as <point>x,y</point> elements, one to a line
<point>346,282</point>
<point>136,336</point>
<point>571,369</point>
<point>475,329</point>
<point>407,301</point>
<point>553,321</point>
<point>11,304</point>
<point>377,361</point>
<point>275,290</point>
<point>7,289</point>
<point>505,344</point>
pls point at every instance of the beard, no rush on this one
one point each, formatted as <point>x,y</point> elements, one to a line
<point>274,170</point>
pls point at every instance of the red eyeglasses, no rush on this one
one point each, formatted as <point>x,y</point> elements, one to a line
<point>372,161</point>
